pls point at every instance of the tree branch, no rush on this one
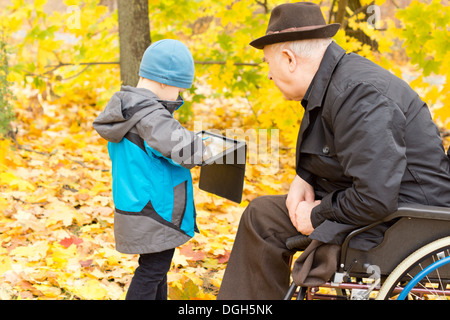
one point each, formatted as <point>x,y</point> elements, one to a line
<point>264,5</point>
<point>88,64</point>
<point>224,62</point>
<point>62,64</point>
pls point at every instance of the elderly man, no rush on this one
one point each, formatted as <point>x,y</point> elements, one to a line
<point>366,143</point>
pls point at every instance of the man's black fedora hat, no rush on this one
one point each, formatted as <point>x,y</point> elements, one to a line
<point>295,21</point>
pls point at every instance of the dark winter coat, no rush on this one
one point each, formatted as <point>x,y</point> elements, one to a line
<point>367,142</point>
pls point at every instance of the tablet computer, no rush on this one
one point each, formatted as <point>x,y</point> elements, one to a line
<point>223,167</point>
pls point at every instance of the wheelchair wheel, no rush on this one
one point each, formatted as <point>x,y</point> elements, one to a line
<point>424,275</point>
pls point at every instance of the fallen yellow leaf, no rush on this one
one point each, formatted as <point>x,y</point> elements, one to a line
<point>91,290</point>
<point>8,178</point>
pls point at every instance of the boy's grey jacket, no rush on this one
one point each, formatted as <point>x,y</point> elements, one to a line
<point>151,154</point>
<point>140,111</point>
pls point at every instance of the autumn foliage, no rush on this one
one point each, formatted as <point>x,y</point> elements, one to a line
<point>56,208</point>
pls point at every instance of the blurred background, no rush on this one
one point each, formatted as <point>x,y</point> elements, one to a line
<point>61,61</point>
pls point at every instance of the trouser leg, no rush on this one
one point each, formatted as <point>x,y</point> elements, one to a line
<point>259,264</point>
<point>150,278</point>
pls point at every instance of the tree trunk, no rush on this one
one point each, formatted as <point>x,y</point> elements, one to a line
<point>340,15</point>
<point>134,37</point>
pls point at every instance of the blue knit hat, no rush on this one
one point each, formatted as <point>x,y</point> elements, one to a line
<point>170,62</point>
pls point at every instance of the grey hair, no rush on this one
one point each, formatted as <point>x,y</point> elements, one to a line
<point>303,48</point>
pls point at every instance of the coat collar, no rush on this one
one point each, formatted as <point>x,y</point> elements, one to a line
<point>316,91</point>
<point>171,106</point>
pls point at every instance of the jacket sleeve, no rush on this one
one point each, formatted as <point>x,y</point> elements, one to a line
<point>369,140</point>
<point>170,139</point>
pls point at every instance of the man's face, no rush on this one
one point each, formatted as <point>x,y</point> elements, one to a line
<point>288,72</point>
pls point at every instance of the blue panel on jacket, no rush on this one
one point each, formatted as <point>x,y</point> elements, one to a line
<point>140,177</point>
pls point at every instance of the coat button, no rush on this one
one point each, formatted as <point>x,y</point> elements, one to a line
<point>326,150</point>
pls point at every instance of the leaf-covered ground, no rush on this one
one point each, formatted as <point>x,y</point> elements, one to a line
<point>56,208</point>
<point>56,220</point>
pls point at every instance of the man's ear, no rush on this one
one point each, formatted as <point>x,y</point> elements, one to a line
<point>291,58</point>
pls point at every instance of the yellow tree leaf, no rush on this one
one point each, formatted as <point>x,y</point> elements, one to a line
<point>60,212</point>
<point>8,178</point>
<point>91,290</point>
<point>5,264</point>
<point>34,252</point>
<point>48,290</point>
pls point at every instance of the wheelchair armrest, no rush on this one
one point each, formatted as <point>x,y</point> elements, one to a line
<point>420,211</point>
<point>299,242</point>
<point>405,210</point>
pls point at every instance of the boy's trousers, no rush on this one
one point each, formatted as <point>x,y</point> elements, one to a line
<point>259,264</point>
<point>150,278</point>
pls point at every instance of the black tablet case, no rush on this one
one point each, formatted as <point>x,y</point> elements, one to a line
<point>223,174</point>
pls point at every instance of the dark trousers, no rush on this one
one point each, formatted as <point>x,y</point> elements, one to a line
<point>259,264</point>
<point>150,278</point>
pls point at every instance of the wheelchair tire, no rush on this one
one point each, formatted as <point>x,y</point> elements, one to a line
<point>413,261</point>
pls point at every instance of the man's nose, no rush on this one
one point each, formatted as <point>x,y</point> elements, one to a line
<point>269,76</point>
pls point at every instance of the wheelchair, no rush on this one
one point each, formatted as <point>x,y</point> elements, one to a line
<point>412,262</point>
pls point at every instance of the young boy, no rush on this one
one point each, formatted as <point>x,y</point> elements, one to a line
<point>151,154</point>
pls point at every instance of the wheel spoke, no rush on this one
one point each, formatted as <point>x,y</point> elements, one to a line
<point>424,274</point>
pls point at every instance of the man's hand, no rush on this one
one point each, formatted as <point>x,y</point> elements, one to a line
<point>300,199</point>
<point>302,218</point>
<point>300,190</point>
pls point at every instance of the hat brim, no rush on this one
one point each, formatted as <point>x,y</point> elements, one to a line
<point>326,31</point>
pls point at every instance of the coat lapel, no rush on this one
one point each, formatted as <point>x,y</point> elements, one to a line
<point>318,89</point>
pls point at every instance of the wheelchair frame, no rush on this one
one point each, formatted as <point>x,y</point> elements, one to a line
<point>417,232</point>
